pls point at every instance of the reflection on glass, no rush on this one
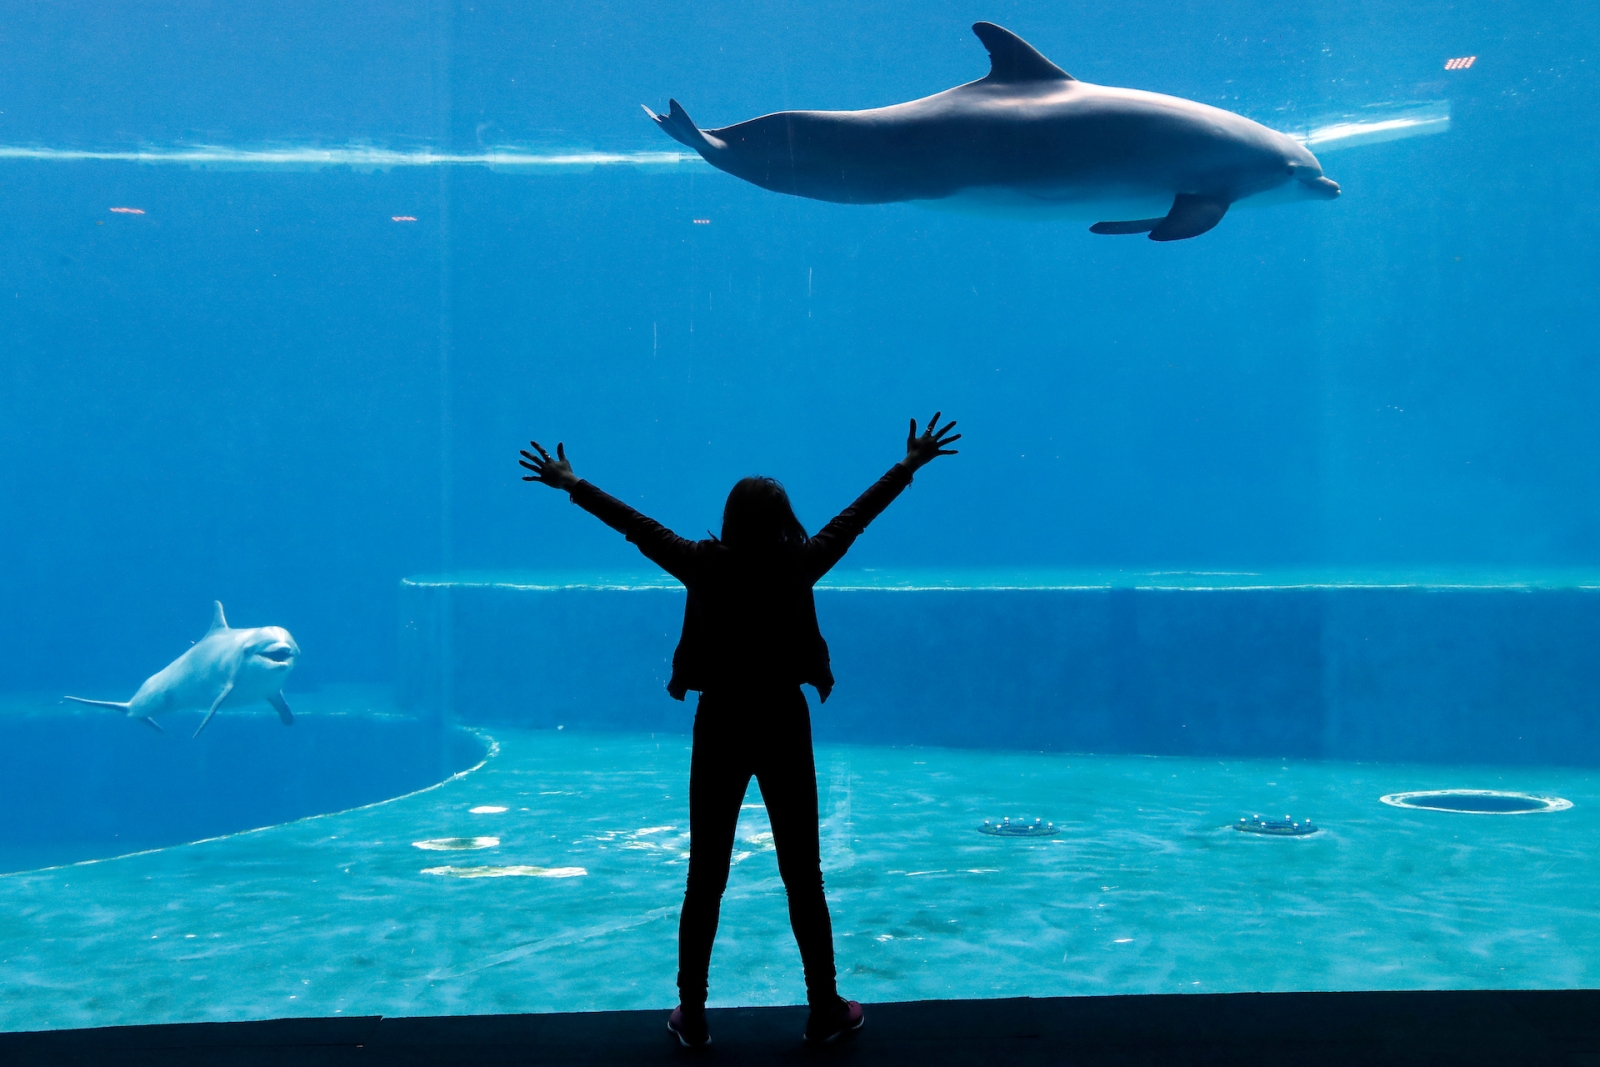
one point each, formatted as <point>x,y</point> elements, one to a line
<point>1247,646</point>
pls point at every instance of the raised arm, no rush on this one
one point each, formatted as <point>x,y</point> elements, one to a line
<point>673,554</point>
<point>834,540</point>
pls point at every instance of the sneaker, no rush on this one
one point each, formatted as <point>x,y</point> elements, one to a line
<point>689,1027</point>
<point>829,1022</point>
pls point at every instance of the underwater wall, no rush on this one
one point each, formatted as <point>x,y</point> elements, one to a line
<point>1459,674</point>
<point>81,784</point>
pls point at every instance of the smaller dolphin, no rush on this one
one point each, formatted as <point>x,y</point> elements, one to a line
<point>225,667</point>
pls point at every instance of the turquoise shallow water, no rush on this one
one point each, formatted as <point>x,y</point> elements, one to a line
<point>1145,890</point>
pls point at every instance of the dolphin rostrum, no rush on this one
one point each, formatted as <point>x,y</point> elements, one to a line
<point>225,668</point>
<point>1027,137</point>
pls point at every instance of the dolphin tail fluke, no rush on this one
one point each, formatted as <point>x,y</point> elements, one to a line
<point>120,705</point>
<point>681,128</point>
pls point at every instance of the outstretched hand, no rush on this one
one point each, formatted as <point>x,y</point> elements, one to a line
<point>556,473</point>
<point>929,445</point>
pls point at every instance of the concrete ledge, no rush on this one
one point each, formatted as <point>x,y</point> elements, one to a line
<point>1502,674</point>
<point>1557,1028</point>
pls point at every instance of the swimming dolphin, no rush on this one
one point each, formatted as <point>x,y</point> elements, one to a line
<point>1027,137</point>
<point>226,667</point>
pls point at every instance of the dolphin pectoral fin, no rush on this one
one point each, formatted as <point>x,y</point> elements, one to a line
<point>285,716</point>
<point>153,725</point>
<point>1190,216</point>
<point>1131,226</point>
<point>215,704</point>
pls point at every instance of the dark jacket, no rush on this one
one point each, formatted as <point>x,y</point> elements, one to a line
<point>750,618</point>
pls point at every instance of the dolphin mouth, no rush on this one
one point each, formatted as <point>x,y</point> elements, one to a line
<point>1321,187</point>
<point>277,655</point>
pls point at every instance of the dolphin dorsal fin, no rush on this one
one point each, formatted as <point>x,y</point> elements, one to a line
<point>218,620</point>
<point>1011,59</point>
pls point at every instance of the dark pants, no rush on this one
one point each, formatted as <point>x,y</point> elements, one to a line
<point>736,735</point>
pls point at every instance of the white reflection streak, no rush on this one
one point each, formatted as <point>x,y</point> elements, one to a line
<point>1352,133</point>
<point>1413,121</point>
<point>351,156</point>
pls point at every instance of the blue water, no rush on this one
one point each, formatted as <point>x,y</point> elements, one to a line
<point>266,390</point>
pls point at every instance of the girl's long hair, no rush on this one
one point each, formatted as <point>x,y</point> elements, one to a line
<point>759,518</point>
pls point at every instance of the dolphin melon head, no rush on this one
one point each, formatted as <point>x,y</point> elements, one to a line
<point>1309,182</point>
<point>1289,173</point>
<point>271,649</point>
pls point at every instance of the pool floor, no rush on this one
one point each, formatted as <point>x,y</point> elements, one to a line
<point>1145,889</point>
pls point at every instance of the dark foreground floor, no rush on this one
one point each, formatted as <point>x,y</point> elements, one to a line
<point>1547,1028</point>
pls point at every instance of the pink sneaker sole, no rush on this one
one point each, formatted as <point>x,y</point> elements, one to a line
<point>676,1028</point>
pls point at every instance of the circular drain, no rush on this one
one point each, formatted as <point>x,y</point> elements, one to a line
<point>1476,801</point>
<point>1284,827</point>
<point>1021,828</point>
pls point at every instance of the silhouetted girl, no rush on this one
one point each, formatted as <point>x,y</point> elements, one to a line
<point>750,639</point>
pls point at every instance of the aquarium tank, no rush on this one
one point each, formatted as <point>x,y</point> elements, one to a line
<point>1246,645</point>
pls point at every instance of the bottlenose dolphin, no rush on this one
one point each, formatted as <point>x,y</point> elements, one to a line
<point>1027,137</point>
<point>225,668</point>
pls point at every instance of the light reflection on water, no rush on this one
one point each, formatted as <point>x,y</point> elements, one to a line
<point>1368,124</point>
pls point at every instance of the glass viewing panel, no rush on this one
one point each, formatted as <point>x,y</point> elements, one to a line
<point>1246,644</point>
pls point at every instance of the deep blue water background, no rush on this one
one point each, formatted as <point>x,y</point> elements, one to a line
<point>264,391</point>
